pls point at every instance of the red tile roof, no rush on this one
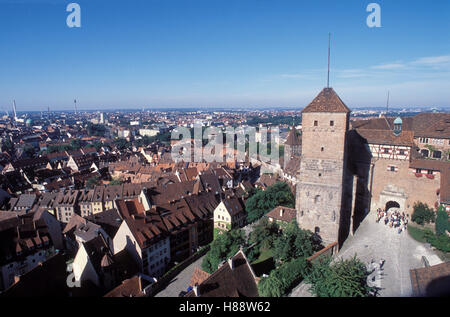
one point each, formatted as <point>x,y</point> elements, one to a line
<point>327,101</point>
<point>281,213</point>
<point>431,281</point>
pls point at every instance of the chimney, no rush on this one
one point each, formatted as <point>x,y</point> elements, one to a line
<point>281,212</point>
<point>196,290</point>
<point>231,263</point>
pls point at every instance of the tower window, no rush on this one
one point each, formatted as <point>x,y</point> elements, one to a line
<point>316,123</point>
<point>331,123</point>
<point>317,199</point>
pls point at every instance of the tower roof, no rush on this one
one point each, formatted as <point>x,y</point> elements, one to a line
<point>398,121</point>
<point>293,138</point>
<point>327,101</point>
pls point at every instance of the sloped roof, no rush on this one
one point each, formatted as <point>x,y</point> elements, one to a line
<point>387,137</point>
<point>433,125</point>
<point>293,138</point>
<point>287,215</point>
<point>239,281</point>
<point>431,281</point>
<point>327,101</point>
<point>198,277</point>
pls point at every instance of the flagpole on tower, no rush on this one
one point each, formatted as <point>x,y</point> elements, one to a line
<point>329,44</point>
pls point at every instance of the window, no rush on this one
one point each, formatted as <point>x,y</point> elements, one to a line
<point>437,154</point>
<point>316,123</point>
<point>386,151</point>
<point>430,172</point>
<point>418,170</point>
<point>331,123</point>
<point>402,152</point>
<point>392,168</point>
<point>321,149</point>
<point>425,152</point>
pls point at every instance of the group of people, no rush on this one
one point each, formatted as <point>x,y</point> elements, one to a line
<point>394,219</point>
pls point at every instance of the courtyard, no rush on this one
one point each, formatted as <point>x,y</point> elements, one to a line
<point>376,241</point>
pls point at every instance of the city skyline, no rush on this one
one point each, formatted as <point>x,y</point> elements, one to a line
<point>222,55</point>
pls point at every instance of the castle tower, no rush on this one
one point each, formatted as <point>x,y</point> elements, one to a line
<point>320,194</point>
<point>292,146</point>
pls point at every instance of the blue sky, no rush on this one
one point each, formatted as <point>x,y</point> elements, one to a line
<point>222,53</point>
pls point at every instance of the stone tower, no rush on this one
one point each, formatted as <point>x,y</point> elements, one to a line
<point>292,146</point>
<point>321,192</point>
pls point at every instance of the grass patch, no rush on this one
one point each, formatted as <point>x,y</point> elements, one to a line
<point>264,255</point>
<point>417,233</point>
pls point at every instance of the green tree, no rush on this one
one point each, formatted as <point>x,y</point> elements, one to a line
<point>223,247</point>
<point>282,279</point>
<point>422,214</point>
<point>98,145</point>
<point>76,144</point>
<point>440,242</point>
<point>344,278</point>
<point>58,148</point>
<point>96,129</point>
<point>294,243</point>
<point>91,182</point>
<point>262,202</point>
<point>442,223</point>
<point>121,143</point>
<point>264,234</point>
<point>115,181</point>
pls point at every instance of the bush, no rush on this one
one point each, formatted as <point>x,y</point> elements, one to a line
<point>295,243</point>
<point>442,223</point>
<point>281,280</point>
<point>441,242</point>
<point>264,234</point>
<point>253,254</point>
<point>346,278</point>
<point>422,214</point>
<point>223,247</point>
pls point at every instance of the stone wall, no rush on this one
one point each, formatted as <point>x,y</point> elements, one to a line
<point>402,186</point>
<point>320,191</point>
